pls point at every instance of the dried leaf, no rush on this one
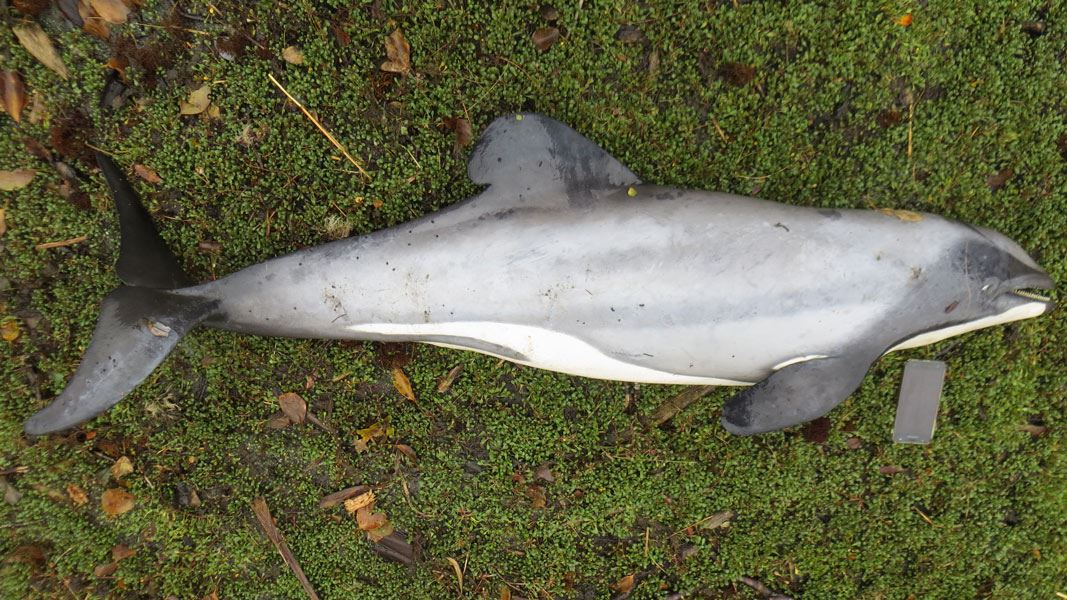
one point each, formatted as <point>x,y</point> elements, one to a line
<point>737,74</point>
<point>338,497</point>
<point>406,451</point>
<point>364,500</point>
<point>536,494</point>
<point>854,443</point>
<point>92,23</point>
<point>544,472</point>
<point>904,215</point>
<point>279,422</point>
<point>13,91</point>
<point>462,129</point>
<point>375,524</point>
<point>717,520</point>
<point>890,470</point>
<point>3,221</point>
<point>106,570</point>
<point>381,532</point>
<point>624,585</point>
<point>121,467</point>
<point>1034,430</point>
<point>403,384</point>
<point>458,571</point>
<point>817,431</point>
<point>998,179</point>
<point>198,101</point>
<point>905,21</point>
<point>113,11</point>
<point>36,42</point>
<point>17,179</point>
<point>369,433</point>
<point>544,38</point>
<point>293,55</point>
<point>76,494</point>
<point>147,173</point>
<point>398,52</point>
<point>9,329</point>
<point>121,552</point>
<point>116,501</point>
<point>294,407</point>
<point>445,383</point>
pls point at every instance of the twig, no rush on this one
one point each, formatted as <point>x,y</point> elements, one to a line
<point>315,121</point>
<point>666,411</point>
<point>259,507</point>
<point>15,470</point>
<point>61,243</point>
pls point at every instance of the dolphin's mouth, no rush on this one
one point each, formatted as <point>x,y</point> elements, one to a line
<point>1029,295</point>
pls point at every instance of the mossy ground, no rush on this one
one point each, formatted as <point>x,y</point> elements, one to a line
<point>843,106</point>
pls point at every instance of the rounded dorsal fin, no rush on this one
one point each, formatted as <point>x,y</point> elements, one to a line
<point>533,160</point>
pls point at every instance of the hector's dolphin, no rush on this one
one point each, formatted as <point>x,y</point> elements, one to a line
<point>568,262</point>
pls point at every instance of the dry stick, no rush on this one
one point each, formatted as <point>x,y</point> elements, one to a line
<point>763,590</point>
<point>259,506</point>
<point>315,121</point>
<point>61,243</point>
<point>666,411</point>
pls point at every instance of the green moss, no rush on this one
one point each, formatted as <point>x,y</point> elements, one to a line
<point>844,108</point>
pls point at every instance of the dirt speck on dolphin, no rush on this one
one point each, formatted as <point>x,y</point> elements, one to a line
<point>568,262</point>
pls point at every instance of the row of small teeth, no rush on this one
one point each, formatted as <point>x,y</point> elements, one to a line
<point>1031,295</point>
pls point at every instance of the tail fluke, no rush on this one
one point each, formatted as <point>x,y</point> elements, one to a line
<point>139,323</point>
<point>136,330</point>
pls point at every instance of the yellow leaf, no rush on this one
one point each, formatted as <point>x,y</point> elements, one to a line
<point>147,173</point>
<point>13,91</point>
<point>403,384</point>
<point>364,500</point>
<point>77,495</point>
<point>904,215</point>
<point>624,585</point>
<point>9,329</point>
<point>116,501</point>
<point>905,20</point>
<point>112,11</point>
<point>15,180</point>
<point>198,101</point>
<point>3,221</point>
<point>121,468</point>
<point>36,42</point>
<point>458,571</point>
<point>293,55</point>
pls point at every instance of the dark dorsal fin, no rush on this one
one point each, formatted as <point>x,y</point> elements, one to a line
<point>144,259</point>
<point>532,160</point>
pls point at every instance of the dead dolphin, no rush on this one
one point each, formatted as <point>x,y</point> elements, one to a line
<point>568,262</point>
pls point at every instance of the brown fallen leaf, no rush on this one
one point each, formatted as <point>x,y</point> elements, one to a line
<point>147,173</point>
<point>544,38</point>
<point>462,129</point>
<point>336,498</point>
<point>262,513</point>
<point>77,495</point>
<point>121,552</point>
<point>406,451</point>
<point>376,525</point>
<point>737,74</point>
<point>817,431</point>
<point>536,494</point>
<point>293,55</point>
<point>544,472</point>
<point>445,383</point>
<point>13,92</point>
<point>121,467</point>
<point>91,21</point>
<point>3,221</point>
<point>15,180</point>
<point>36,42</point>
<point>403,384</point>
<point>624,585</point>
<point>116,501</point>
<point>198,101</point>
<point>890,470</point>
<point>113,11</point>
<point>398,52</point>
<point>999,179</point>
<point>717,520</point>
<point>106,570</point>
<point>294,407</point>
<point>672,406</point>
<point>1034,430</point>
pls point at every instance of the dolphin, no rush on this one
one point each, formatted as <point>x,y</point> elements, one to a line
<point>567,261</point>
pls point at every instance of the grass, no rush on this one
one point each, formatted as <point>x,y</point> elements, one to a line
<point>822,105</point>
